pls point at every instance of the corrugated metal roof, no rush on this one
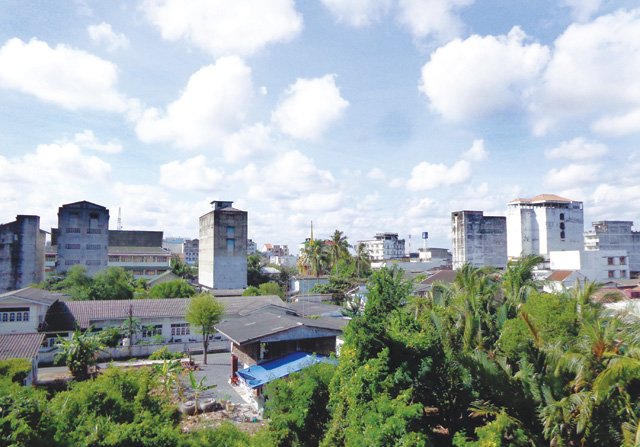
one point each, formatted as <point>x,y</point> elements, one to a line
<point>560,275</point>
<point>542,198</point>
<point>64,316</point>
<point>41,296</point>
<point>259,375</point>
<point>138,250</point>
<point>20,346</point>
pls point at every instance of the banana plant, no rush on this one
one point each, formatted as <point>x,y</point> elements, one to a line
<point>198,388</point>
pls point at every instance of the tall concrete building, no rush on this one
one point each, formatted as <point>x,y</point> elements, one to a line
<point>615,235</point>
<point>478,240</point>
<point>21,253</point>
<point>82,237</point>
<point>222,258</point>
<point>543,224</point>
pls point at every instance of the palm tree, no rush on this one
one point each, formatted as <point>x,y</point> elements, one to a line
<point>317,258</point>
<point>80,352</point>
<point>361,258</point>
<point>338,247</point>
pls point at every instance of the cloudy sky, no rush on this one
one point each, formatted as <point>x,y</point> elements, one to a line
<point>361,115</point>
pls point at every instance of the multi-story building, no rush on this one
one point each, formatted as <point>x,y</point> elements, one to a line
<point>252,247</point>
<point>275,250</point>
<point>384,246</point>
<point>21,253</point>
<point>595,265</point>
<point>82,237</point>
<point>191,248</point>
<point>139,252</point>
<point>478,240</point>
<point>543,224</point>
<point>615,235</point>
<point>222,260</point>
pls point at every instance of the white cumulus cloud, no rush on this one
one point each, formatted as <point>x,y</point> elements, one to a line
<point>583,9</point>
<point>211,107</point>
<point>480,75</point>
<point>222,27</point>
<point>62,75</point>
<point>103,34</point>
<point>87,140</point>
<point>309,107</point>
<point>432,17</point>
<point>477,152</point>
<point>594,72</point>
<point>431,176</point>
<point>357,12</point>
<point>192,175</point>
<point>572,176</point>
<point>577,149</point>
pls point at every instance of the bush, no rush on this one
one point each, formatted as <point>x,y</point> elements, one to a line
<point>15,370</point>
<point>164,354</point>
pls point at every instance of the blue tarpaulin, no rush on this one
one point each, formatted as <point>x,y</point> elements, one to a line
<point>258,375</point>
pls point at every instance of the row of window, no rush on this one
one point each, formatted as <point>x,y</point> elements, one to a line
<point>151,331</point>
<point>14,315</point>
<point>88,262</point>
<point>612,273</point>
<point>611,261</point>
<point>180,329</point>
<point>70,230</point>
<point>115,258</point>
<point>88,246</point>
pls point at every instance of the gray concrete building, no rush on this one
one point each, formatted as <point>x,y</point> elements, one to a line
<point>82,237</point>
<point>21,253</point>
<point>615,235</point>
<point>384,246</point>
<point>479,240</point>
<point>222,259</point>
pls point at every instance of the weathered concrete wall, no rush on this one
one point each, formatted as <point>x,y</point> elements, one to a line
<point>478,240</point>
<point>125,238</point>
<point>21,253</point>
<point>257,353</point>
<point>83,237</point>
<point>222,260</point>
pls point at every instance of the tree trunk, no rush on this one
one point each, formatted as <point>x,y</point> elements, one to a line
<point>205,345</point>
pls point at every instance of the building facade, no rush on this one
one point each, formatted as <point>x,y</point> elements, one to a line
<point>478,240</point>
<point>222,262</point>
<point>22,253</point>
<point>595,265</point>
<point>615,235</point>
<point>543,224</point>
<point>82,237</point>
<point>384,246</point>
<point>191,248</point>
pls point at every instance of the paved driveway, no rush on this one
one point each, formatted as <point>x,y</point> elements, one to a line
<point>217,372</point>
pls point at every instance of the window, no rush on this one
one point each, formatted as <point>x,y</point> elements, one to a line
<point>50,258</point>
<point>25,316</point>
<point>94,231</point>
<point>94,246</point>
<point>561,216</point>
<point>180,329</point>
<point>562,235</point>
<point>149,259</point>
<point>71,262</point>
<point>72,246</point>
<point>609,261</point>
<point>231,243</point>
<point>114,258</point>
<point>126,259</point>
<point>231,231</point>
<point>138,259</point>
<point>150,331</point>
<point>612,274</point>
<point>73,230</point>
<point>93,262</point>
<point>623,273</point>
<point>562,225</point>
<point>138,272</point>
<point>149,272</point>
<point>623,260</point>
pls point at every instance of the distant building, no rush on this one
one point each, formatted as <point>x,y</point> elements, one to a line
<point>478,240</point>
<point>191,248</point>
<point>595,265</point>
<point>21,253</point>
<point>174,245</point>
<point>222,260</point>
<point>82,237</point>
<point>544,224</point>
<point>384,246</point>
<point>270,250</point>
<point>252,247</point>
<point>615,235</point>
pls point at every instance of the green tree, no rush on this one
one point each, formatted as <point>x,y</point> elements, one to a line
<point>255,277</point>
<point>338,248</point>
<point>204,311</point>
<point>271,288</point>
<point>172,289</point>
<point>114,283</point>
<point>316,257</point>
<point>80,353</point>
<point>251,291</point>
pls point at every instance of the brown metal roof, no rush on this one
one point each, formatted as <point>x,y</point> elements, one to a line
<point>20,346</point>
<point>542,198</point>
<point>560,275</point>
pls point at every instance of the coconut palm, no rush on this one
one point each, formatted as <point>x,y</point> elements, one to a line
<point>338,247</point>
<point>361,259</point>
<point>317,257</point>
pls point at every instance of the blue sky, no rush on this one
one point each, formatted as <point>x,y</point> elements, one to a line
<point>361,115</point>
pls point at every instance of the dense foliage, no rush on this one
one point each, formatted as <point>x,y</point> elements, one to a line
<point>172,289</point>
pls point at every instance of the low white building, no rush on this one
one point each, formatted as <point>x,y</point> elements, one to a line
<point>595,265</point>
<point>24,310</point>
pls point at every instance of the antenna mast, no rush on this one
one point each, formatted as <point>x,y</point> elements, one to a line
<point>119,227</point>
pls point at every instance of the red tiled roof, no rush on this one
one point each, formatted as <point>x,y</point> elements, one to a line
<point>542,198</point>
<point>560,275</point>
<point>20,346</point>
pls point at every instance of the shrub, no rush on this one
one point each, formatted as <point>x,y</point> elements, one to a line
<point>15,370</point>
<point>164,354</point>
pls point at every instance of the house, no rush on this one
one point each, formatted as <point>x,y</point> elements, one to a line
<point>259,339</point>
<point>310,309</point>
<point>24,310</point>
<point>164,277</point>
<point>563,279</point>
<point>22,346</point>
<point>443,276</point>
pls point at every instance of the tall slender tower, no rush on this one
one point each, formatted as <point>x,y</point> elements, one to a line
<point>222,258</point>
